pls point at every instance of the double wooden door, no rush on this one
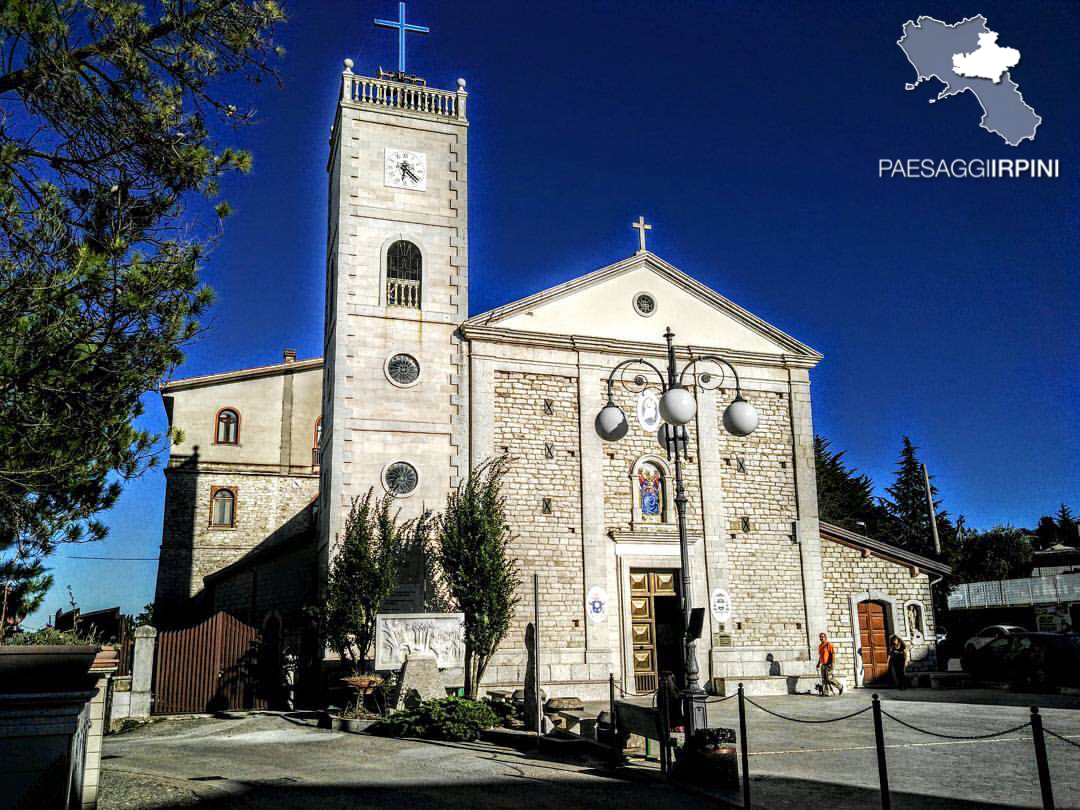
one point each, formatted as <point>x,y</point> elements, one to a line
<point>653,606</point>
<point>874,642</point>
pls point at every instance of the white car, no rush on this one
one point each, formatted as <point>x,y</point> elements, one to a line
<point>988,634</point>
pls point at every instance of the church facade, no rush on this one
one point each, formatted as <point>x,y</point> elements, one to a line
<point>413,391</point>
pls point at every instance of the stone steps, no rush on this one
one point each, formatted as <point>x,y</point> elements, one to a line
<point>756,685</point>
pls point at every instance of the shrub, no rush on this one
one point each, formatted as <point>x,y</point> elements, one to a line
<point>51,636</point>
<point>449,718</point>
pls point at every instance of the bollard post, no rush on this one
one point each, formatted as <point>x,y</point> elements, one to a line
<point>1039,740</point>
<point>882,767</point>
<point>744,746</point>
<point>665,725</point>
<point>615,752</point>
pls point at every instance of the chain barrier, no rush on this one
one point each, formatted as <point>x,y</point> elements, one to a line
<point>1061,737</point>
<point>803,720</point>
<point>956,736</point>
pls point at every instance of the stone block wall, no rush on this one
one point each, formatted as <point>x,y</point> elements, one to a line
<point>765,574</point>
<point>849,573</point>
<point>546,544</point>
<point>620,486</point>
<point>285,584</point>
<point>266,503</point>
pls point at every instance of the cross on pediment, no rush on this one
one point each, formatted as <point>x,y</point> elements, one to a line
<point>641,228</point>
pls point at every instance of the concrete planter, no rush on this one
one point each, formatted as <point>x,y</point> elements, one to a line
<point>46,668</point>
<point>351,725</point>
<point>48,727</point>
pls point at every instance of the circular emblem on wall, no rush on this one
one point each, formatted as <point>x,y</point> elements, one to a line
<point>648,410</point>
<point>402,369</point>
<point>596,604</point>
<point>721,605</point>
<point>400,478</point>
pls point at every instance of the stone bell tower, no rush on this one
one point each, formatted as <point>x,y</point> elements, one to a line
<point>394,412</point>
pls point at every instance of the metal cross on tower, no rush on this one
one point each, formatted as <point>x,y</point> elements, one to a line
<point>402,27</point>
<point>641,228</point>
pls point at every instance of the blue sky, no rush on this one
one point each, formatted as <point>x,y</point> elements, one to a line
<point>749,135</point>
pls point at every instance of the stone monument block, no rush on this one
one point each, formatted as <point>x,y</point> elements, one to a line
<point>420,680</point>
<point>399,636</point>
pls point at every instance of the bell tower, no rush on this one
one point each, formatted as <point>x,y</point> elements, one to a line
<point>394,409</point>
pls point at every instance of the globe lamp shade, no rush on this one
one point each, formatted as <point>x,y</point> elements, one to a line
<point>611,423</point>
<point>677,406</point>
<point>662,436</point>
<point>740,418</point>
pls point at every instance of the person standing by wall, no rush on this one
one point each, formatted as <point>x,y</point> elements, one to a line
<point>826,659</point>
<point>898,662</point>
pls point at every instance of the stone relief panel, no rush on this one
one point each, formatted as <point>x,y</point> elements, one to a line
<point>440,635</point>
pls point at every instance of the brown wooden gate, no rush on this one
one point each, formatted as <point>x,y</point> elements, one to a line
<point>209,667</point>
<point>874,642</point>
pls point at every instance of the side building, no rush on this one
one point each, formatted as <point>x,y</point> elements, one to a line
<point>243,472</point>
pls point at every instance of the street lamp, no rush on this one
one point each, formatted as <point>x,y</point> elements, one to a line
<point>678,406</point>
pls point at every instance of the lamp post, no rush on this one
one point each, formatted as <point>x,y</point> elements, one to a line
<point>678,407</point>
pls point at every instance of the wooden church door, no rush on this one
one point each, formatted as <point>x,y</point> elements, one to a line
<point>874,641</point>
<point>655,627</point>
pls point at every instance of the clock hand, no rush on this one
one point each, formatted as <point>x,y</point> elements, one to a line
<point>406,170</point>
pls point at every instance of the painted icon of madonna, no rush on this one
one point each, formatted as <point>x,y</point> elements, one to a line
<point>651,494</point>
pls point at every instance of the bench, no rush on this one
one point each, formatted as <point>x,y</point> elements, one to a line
<point>645,721</point>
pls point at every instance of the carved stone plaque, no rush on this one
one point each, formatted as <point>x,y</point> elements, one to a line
<point>441,635</point>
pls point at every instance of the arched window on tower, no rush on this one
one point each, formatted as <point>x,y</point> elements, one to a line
<point>404,269</point>
<point>315,449</point>
<point>227,427</point>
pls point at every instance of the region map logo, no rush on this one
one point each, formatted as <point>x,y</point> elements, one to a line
<point>965,56</point>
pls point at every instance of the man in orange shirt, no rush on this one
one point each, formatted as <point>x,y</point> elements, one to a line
<point>826,657</point>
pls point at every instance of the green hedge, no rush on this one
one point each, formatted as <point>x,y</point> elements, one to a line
<point>449,718</point>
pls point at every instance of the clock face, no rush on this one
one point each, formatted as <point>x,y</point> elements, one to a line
<point>405,169</point>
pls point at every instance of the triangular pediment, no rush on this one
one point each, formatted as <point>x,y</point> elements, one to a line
<point>601,305</point>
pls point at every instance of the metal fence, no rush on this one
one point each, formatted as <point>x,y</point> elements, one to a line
<point>1016,592</point>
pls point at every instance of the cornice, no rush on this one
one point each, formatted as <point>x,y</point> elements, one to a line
<point>497,334</point>
<point>838,534</point>
<point>242,374</point>
<point>692,286</point>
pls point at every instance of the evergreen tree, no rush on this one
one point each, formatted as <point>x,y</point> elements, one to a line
<point>106,109</point>
<point>1046,533</point>
<point>363,574</point>
<point>480,573</point>
<point>1066,527</point>
<point>908,518</point>
<point>1001,553</point>
<point>845,497</point>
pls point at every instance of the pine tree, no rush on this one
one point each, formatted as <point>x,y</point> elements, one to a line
<point>845,497</point>
<point>1066,527</point>
<point>1046,533</point>
<point>109,109</point>
<point>908,518</point>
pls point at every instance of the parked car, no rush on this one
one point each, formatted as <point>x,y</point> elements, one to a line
<point>1027,660</point>
<point>988,634</point>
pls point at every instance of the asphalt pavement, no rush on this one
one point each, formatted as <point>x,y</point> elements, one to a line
<point>266,761</point>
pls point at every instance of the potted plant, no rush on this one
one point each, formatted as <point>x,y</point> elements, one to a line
<point>46,660</point>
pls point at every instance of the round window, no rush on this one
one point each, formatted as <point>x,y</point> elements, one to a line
<point>644,304</point>
<point>400,478</point>
<point>403,369</point>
